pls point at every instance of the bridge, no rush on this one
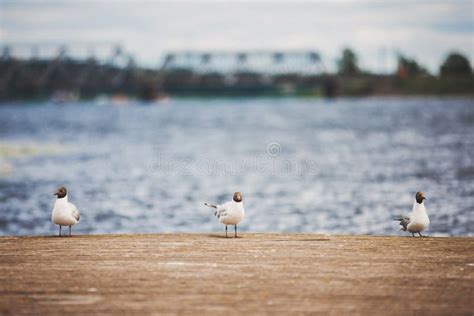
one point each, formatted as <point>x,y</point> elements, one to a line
<point>88,69</point>
<point>265,62</point>
<point>102,52</point>
<point>270,62</point>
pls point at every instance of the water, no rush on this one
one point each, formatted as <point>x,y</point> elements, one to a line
<point>341,166</point>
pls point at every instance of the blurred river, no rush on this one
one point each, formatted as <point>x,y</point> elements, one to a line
<point>303,165</point>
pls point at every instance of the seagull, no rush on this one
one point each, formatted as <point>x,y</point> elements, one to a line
<point>64,213</point>
<point>417,220</point>
<point>230,213</point>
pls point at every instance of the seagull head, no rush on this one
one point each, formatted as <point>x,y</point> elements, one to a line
<point>420,196</point>
<point>237,197</point>
<point>61,192</point>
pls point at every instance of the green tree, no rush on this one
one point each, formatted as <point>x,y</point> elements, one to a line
<point>347,64</point>
<point>410,68</point>
<point>455,65</point>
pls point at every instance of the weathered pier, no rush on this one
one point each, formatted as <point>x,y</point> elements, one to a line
<point>202,274</point>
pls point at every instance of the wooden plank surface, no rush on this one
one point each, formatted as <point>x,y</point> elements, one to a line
<point>202,274</point>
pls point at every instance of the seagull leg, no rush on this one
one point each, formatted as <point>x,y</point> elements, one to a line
<point>225,231</point>
<point>69,230</point>
<point>420,234</point>
<point>59,230</point>
<point>413,234</point>
<point>235,227</point>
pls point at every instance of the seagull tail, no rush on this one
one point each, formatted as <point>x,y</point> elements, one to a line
<point>210,205</point>
<point>403,222</point>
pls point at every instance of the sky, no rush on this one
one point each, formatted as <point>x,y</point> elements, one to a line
<point>376,30</point>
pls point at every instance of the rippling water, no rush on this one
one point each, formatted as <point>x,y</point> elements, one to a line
<point>341,166</point>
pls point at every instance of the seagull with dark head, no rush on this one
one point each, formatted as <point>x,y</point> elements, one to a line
<point>230,213</point>
<point>64,213</point>
<point>418,219</point>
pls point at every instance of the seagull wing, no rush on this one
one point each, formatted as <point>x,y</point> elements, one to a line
<point>221,210</point>
<point>75,212</point>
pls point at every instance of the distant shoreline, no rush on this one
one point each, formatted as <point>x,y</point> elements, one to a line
<point>69,80</point>
<point>127,100</point>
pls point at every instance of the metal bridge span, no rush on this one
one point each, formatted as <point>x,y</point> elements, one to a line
<point>265,62</point>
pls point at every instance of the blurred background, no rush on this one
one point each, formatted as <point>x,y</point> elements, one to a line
<point>328,116</point>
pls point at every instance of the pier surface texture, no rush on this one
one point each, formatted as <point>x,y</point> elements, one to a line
<point>203,274</point>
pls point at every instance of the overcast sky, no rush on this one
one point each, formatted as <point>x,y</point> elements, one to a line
<point>376,30</point>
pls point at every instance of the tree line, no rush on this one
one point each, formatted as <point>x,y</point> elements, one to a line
<point>455,65</point>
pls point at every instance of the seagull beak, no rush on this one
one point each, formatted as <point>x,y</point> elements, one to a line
<point>424,198</point>
<point>57,193</point>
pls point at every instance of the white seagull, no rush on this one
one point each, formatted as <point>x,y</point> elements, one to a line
<point>230,213</point>
<point>64,213</point>
<point>417,220</point>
